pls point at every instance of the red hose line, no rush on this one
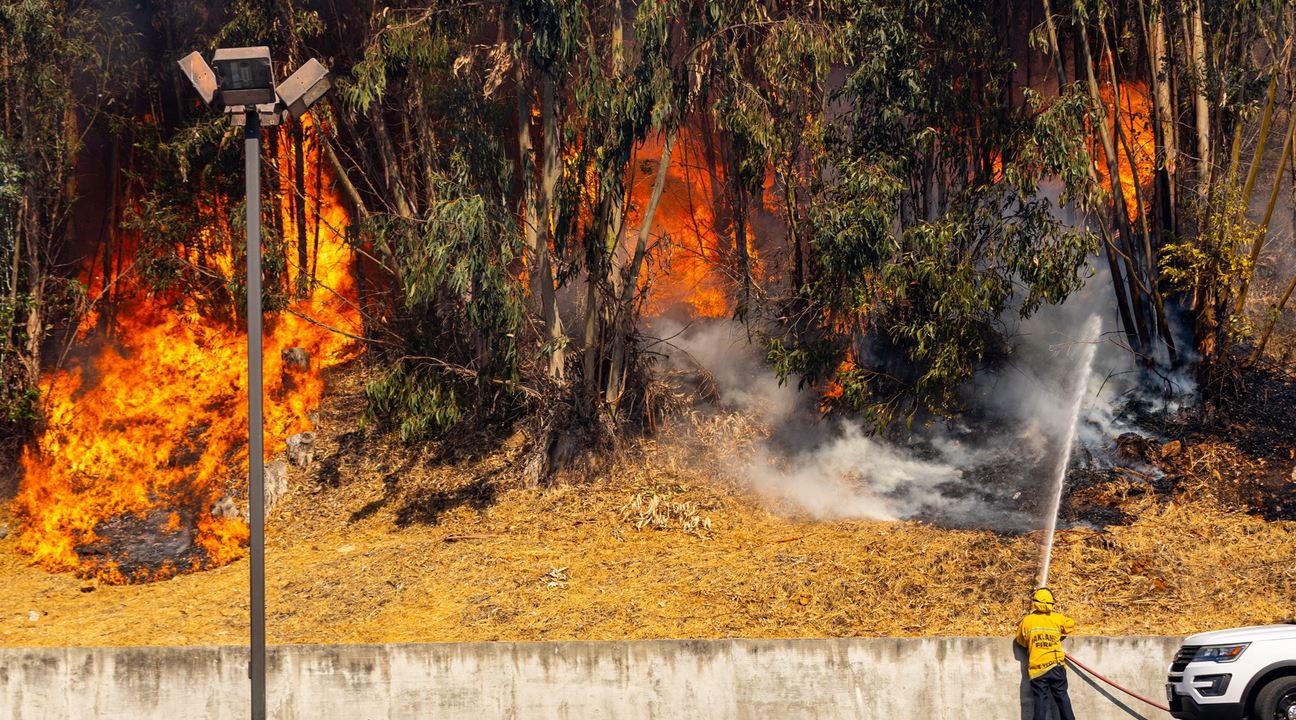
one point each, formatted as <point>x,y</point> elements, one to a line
<point>1131,693</point>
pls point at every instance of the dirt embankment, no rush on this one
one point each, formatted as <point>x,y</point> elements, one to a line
<point>378,543</point>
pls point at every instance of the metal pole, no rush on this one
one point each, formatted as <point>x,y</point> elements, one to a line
<point>256,443</point>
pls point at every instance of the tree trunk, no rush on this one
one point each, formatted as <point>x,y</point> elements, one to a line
<point>1258,245</point>
<point>602,262</point>
<point>1166,102</point>
<point>1147,262</point>
<point>1120,211</point>
<point>589,367</point>
<point>1274,315</point>
<point>15,267</point>
<point>550,173</point>
<point>390,163</point>
<point>299,208</point>
<point>526,174</point>
<point>343,179</point>
<point>1053,45</point>
<point>109,235</point>
<point>1149,258</point>
<point>794,234</point>
<point>319,185</point>
<point>1162,118</point>
<point>630,287</point>
<point>353,235</point>
<point>1119,286</point>
<point>1196,43</point>
<point>359,214</point>
<point>739,202</point>
<point>35,289</point>
<point>1265,121</point>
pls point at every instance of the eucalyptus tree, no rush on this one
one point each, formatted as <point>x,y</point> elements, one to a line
<point>1216,80</point>
<point>633,86</point>
<point>912,196</point>
<point>55,81</point>
<point>422,133</point>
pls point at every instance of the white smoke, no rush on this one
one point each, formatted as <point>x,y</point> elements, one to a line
<point>835,469</point>
<point>851,475</point>
<point>990,469</point>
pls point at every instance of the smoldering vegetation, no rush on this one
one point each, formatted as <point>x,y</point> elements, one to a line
<point>990,466</point>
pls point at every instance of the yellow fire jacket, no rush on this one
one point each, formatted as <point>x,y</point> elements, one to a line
<point>1041,634</point>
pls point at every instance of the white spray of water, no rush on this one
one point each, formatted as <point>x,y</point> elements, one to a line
<point>1091,333</point>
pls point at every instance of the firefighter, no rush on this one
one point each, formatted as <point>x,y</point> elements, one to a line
<point>1041,633</point>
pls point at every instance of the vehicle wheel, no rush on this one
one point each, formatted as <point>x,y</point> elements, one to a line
<point>1277,700</point>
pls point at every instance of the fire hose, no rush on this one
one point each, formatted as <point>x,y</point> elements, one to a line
<point>1071,658</point>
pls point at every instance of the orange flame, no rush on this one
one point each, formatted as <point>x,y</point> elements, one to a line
<point>152,433</point>
<point>692,266</point>
<point>832,389</point>
<point>1131,105</point>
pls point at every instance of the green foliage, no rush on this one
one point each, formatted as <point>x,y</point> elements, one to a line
<point>611,113</point>
<point>414,398</point>
<point>21,409</point>
<point>919,190</point>
<point>190,215</point>
<point>279,25</point>
<point>770,85</point>
<point>1213,263</point>
<point>399,47</point>
<point>1212,257</point>
<point>11,191</point>
<point>449,344</point>
<point>55,58</point>
<point>552,29</point>
<point>462,313</point>
<point>923,232</point>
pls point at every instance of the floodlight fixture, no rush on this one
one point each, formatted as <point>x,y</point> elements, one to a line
<point>200,75</point>
<point>304,88</point>
<point>245,75</point>
<point>243,84</point>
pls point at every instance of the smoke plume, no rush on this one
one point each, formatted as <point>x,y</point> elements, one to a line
<point>991,467</point>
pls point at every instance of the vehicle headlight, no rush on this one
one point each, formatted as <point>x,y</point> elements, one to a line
<point>1219,653</point>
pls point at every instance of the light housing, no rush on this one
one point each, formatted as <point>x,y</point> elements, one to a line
<point>245,76</point>
<point>200,75</point>
<point>304,87</point>
<point>1219,653</point>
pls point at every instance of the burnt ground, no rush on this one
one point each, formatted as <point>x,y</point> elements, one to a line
<point>1239,448</point>
<point>1260,422</point>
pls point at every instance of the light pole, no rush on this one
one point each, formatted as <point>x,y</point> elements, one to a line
<point>243,86</point>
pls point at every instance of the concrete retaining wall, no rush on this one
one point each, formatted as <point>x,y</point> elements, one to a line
<point>882,678</point>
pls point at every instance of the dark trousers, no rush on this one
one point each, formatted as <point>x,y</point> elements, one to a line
<point>1049,688</point>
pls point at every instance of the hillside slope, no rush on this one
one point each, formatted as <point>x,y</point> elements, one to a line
<point>380,543</point>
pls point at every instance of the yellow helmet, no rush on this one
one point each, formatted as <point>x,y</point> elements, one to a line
<point>1042,600</point>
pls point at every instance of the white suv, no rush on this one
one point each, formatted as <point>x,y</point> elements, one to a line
<point>1234,674</point>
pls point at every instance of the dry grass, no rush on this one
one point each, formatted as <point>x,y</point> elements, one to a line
<point>379,544</point>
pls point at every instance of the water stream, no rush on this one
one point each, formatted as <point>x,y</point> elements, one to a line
<point>1089,337</point>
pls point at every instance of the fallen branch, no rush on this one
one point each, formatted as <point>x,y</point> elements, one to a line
<point>787,540</point>
<point>462,538</point>
<point>330,328</point>
<point>469,374</point>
